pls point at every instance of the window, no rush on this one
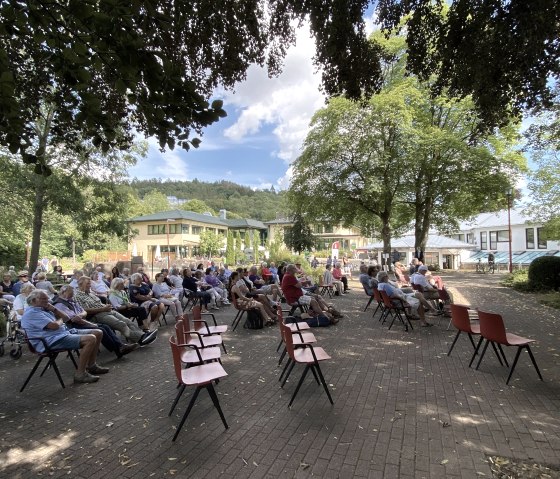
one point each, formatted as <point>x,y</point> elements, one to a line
<point>540,239</point>
<point>328,228</point>
<point>185,229</point>
<point>174,229</point>
<point>530,238</point>
<point>496,237</point>
<point>156,229</point>
<point>318,229</point>
<point>459,237</point>
<point>221,232</point>
<point>196,230</point>
<point>431,258</point>
<point>483,240</point>
<point>470,238</point>
<point>503,236</point>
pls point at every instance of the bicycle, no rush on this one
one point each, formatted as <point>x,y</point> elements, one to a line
<point>480,267</point>
<point>491,267</point>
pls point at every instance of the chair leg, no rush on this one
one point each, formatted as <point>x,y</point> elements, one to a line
<point>279,345</point>
<point>503,355</point>
<point>288,362</point>
<point>476,350</point>
<point>56,370</point>
<point>472,340</point>
<point>288,374</point>
<point>282,356</point>
<point>324,382</point>
<point>482,354</point>
<point>179,394</point>
<point>224,347</point>
<point>71,356</point>
<point>454,341</point>
<point>394,317</point>
<point>519,349</point>
<point>184,418</point>
<point>496,352</point>
<point>216,402</point>
<point>32,373</point>
<point>534,362</point>
<point>315,374</point>
<point>299,384</point>
<point>367,305</point>
<point>375,312</point>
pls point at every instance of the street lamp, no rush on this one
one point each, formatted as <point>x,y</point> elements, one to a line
<point>509,194</point>
<point>168,248</point>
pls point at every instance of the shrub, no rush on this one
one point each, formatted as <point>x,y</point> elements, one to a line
<point>544,273</point>
<point>434,267</point>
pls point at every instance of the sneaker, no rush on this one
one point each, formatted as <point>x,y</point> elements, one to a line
<point>225,301</point>
<point>148,338</point>
<point>214,307</point>
<point>85,378</point>
<point>128,348</point>
<point>96,369</point>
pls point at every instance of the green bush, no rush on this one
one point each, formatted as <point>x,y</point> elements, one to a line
<point>544,273</point>
<point>519,280</point>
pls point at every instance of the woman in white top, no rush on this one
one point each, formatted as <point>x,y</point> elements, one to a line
<point>20,303</point>
<point>45,285</point>
<point>162,291</point>
<point>98,286</point>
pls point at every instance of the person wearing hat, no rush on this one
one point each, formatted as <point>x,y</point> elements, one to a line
<point>23,278</point>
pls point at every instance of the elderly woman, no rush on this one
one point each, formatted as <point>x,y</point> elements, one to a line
<point>121,303</point>
<point>77,319</point>
<point>240,290</point>
<point>261,285</point>
<point>7,288</point>
<point>20,303</point>
<point>98,287</point>
<point>211,278</point>
<point>162,292</point>
<point>415,301</point>
<point>140,293</point>
<point>340,276</point>
<point>45,285</point>
<point>204,286</point>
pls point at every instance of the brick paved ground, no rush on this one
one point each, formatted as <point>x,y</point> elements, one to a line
<point>402,407</point>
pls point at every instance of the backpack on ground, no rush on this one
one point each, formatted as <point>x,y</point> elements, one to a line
<point>254,319</point>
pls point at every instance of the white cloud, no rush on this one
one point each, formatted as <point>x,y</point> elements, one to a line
<point>168,164</point>
<point>286,102</point>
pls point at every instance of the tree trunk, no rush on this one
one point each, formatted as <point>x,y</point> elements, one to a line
<point>38,209</point>
<point>386,237</point>
<point>422,226</point>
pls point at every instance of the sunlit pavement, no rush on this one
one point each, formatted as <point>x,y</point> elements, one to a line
<point>402,407</point>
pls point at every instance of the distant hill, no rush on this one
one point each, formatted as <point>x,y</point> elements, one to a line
<point>263,205</point>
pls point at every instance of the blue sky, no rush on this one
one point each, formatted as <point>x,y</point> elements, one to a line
<point>262,135</point>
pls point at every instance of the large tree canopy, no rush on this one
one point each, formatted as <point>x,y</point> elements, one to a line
<point>110,68</point>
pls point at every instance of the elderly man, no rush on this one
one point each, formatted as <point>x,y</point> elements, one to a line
<point>43,320</point>
<point>415,302</point>
<point>328,280</point>
<point>104,314</point>
<point>260,284</point>
<point>294,293</point>
<point>419,278</point>
<point>23,278</point>
<point>65,303</point>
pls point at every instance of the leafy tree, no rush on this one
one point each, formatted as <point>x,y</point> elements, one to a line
<point>544,145</point>
<point>198,206</point>
<point>152,202</point>
<point>230,249</point>
<point>210,243</point>
<point>299,237</point>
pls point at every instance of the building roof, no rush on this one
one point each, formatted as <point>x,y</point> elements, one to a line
<point>434,242</point>
<point>517,257</point>
<point>192,216</point>
<point>493,220</point>
<point>279,221</point>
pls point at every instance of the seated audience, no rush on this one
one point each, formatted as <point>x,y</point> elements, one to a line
<point>20,303</point>
<point>45,285</point>
<point>22,279</point>
<point>115,273</point>
<point>261,285</point>
<point>340,276</point>
<point>104,314</point>
<point>239,290</point>
<point>328,280</point>
<point>176,282</point>
<point>65,303</point>
<point>420,278</point>
<point>43,320</point>
<point>140,293</point>
<point>7,288</point>
<point>121,303</point>
<point>78,273</point>
<point>145,277</point>
<point>212,279</point>
<point>99,287</point>
<point>162,292</point>
<point>190,283</point>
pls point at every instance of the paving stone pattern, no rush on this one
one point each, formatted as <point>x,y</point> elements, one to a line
<point>402,407</point>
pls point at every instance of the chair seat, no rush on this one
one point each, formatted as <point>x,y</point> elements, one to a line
<point>306,356</point>
<point>302,325</point>
<point>306,338</point>
<point>208,341</point>
<point>475,328</point>
<point>514,340</point>
<point>222,328</point>
<point>208,354</point>
<point>203,374</point>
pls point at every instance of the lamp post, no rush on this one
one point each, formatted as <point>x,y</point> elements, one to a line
<point>168,248</point>
<point>27,253</point>
<point>509,194</point>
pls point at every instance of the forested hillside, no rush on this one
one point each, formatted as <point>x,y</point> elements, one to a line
<point>239,201</point>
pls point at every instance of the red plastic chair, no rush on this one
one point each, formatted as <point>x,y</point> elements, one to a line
<point>299,338</point>
<point>201,325</point>
<point>241,310</point>
<point>193,337</point>
<point>461,319</point>
<point>371,299</point>
<point>195,354</point>
<point>201,376</point>
<point>380,304</point>
<point>310,356</point>
<point>396,310</point>
<point>492,329</point>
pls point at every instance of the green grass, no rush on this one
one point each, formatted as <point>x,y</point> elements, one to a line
<point>519,281</point>
<point>550,299</point>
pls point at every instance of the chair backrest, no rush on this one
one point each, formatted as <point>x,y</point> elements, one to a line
<point>180,332</point>
<point>460,317</point>
<point>386,300</point>
<point>377,295</point>
<point>196,312</point>
<point>279,313</point>
<point>492,327</point>
<point>443,294</point>
<point>176,358</point>
<point>288,340</point>
<point>417,287</point>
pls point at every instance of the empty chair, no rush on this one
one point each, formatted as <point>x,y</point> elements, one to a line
<point>202,326</point>
<point>298,337</point>
<point>492,329</point>
<point>461,319</point>
<point>201,376</point>
<point>195,354</point>
<point>192,337</point>
<point>310,356</point>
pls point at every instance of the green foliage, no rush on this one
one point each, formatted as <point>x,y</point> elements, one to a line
<point>550,299</point>
<point>544,273</point>
<point>518,280</point>
<point>299,237</point>
<point>198,206</point>
<point>210,243</point>
<point>230,249</point>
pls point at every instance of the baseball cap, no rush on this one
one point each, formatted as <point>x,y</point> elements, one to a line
<point>423,268</point>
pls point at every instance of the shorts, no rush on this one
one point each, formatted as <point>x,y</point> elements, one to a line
<point>72,341</point>
<point>305,299</point>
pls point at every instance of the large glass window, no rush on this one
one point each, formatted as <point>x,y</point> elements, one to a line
<point>156,229</point>
<point>318,229</point>
<point>530,238</point>
<point>540,240</point>
<point>483,240</point>
<point>329,228</point>
<point>503,236</point>
<point>470,238</point>
<point>174,228</point>
<point>196,230</point>
<point>431,258</point>
<point>185,229</point>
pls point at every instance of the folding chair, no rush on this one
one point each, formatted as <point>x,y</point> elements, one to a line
<point>371,299</point>
<point>325,288</point>
<point>192,299</point>
<point>49,353</point>
<point>201,376</point>
<point>395,310</point>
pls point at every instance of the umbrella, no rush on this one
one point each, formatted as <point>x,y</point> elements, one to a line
<point>134,250</point>
<point>178,252</point>
<point>158,252</point>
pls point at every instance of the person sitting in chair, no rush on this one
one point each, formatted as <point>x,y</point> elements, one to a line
<point>328,280</point>
<point>43,320</point>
